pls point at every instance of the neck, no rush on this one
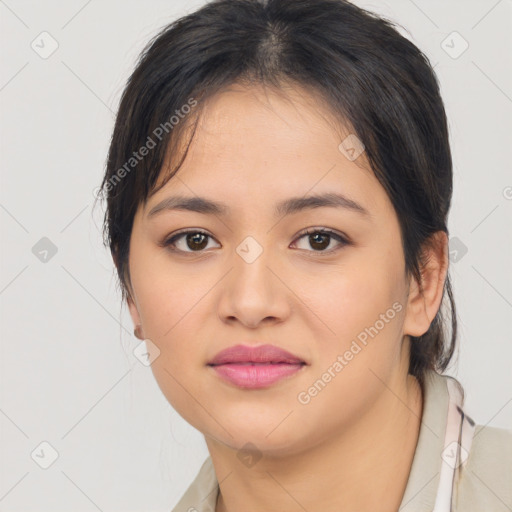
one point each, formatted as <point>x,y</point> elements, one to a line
<point>365,468</point>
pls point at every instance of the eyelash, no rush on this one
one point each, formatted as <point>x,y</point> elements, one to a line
<point>171,241</point>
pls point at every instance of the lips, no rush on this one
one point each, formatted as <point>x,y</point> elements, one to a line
<point>255,367</point>
<point>263,354</point>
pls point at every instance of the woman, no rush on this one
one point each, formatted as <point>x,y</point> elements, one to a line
<point>278,185</point>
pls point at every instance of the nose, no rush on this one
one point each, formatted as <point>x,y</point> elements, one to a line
<point>253,293</point>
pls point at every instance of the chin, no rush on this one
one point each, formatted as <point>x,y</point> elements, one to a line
<point>259,438</point>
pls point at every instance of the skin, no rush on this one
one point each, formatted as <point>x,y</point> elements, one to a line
<point>252,149</point>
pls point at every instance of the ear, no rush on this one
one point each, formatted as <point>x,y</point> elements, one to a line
<point>424,302</point>
<point>134,312</point>
<point>132,307</point>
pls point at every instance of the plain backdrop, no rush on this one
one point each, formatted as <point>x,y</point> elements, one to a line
<point>68,377</point>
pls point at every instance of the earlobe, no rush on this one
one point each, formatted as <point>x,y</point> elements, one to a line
<point>424,301</point>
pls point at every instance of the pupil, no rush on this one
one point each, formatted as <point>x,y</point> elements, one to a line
<point>315,242</point>
<point>196,239</point>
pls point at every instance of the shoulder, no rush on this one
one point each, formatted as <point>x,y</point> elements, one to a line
<point>485,479</point>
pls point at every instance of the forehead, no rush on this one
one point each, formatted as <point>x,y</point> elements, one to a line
<point>269,115</point>
<point>254,144</point>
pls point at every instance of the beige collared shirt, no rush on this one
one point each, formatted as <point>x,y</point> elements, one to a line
<point>480,481</point>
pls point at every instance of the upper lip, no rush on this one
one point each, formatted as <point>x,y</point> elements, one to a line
<point>259,354</point>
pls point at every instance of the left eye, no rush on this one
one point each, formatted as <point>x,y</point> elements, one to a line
<point>321,238</point>
<point>197,241</point>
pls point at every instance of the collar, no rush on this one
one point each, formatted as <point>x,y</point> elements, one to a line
<point>423,483</point>
<point>422,486</point>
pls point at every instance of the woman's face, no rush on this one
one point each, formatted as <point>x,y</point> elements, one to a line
<point>337,304</point>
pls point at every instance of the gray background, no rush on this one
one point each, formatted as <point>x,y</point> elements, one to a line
<point>67,372</point>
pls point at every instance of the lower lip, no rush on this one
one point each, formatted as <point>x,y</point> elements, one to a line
<point>254,376</point>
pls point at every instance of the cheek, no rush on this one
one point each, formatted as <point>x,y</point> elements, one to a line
<point>171,306</point>
<point>365,311</point>
<point>167,294</point>
<point>363,307</point>
<point>352,297</point>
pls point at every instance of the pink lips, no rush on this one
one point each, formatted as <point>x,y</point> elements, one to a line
<point>255,367</point>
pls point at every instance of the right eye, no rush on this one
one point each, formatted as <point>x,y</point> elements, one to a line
<point>195,240</point>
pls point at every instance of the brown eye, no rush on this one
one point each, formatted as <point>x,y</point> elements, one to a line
<point>188,241</point>
<point>196,241</point>
<point>320,240</point>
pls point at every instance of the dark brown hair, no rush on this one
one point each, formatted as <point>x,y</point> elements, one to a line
<point>374,79</point>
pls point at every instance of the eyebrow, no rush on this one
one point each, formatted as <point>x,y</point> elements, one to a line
<point>286,207</point>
